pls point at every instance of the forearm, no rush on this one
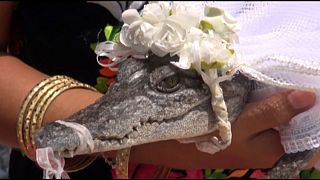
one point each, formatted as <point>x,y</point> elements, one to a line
<point>16,80</point>
<point>181,156</point>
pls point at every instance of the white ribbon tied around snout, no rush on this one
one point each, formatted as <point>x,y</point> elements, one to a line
<point>53,164</point>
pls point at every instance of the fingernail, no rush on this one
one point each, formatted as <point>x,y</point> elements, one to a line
<point>301,99</point>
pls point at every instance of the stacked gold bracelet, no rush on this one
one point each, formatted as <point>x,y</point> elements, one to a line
<point>32,112</point>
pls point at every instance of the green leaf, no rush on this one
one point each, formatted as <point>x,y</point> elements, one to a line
<point>215,174</point>
<point>230,52</point>
<point>150,2</point>
<point>101,88</point>
<point>170,12</point>
<point>218,170</point>
<point>101,80</point>
<point>218,174</point>
<point>205,26</point>
<point>212,11</point>
<point>101,85</point>
<point>210,177</point>
<point>315,174</point>
<point>108,31</point>
<point>130,2</point>
<point>215,64</point>
<point>305,174</point>
<point>207,172</point>
<point>116,38</point>
<point>93,46</point>
<point>115,31</point>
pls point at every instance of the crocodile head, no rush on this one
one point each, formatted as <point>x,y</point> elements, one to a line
<point>151,100</point>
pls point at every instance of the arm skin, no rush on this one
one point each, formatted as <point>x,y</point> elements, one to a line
<point>254,144</point>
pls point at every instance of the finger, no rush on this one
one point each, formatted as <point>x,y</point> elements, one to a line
<point>274,111</point>
<point>267,149</point>
<point>313,161</point>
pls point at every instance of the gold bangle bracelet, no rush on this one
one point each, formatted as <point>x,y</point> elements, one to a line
<point>122,163</point>
<point>37,116</point>
<point>32,113</point>
<point>44,105</point>
<point>37,101</point>
<point>30,119</point>
<point>78,163</point>
<point>26,103</point>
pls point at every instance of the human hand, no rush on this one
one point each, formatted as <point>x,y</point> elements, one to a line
<point>255,143</point>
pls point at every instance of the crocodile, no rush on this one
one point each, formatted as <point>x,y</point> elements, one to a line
<point>153,100</point>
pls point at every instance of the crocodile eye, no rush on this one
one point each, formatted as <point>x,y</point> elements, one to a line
<point>169,84</point>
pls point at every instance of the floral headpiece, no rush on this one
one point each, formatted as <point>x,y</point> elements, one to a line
<point>201,41</point>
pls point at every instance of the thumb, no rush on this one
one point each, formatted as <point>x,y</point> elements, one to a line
<point>274,111</point>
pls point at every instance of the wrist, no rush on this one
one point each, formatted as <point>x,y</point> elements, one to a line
<point>70,102</point>
<point>36,104</point>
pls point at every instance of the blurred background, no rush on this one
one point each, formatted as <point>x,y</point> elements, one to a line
<point>4,161</point>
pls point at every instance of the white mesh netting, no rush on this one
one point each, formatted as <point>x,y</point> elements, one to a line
<point>279,45</point>
<point>279,41</point>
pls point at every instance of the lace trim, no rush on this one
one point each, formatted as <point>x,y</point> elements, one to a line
<point>303,132</point>
<point>300,145</point>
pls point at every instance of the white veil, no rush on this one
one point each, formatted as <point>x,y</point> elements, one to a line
<point>280,46</point>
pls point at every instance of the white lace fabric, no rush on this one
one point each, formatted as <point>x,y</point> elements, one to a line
<point>303,133</point>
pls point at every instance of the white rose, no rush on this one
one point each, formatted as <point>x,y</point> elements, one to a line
<point>190,49</point>
<point>213,49</point>
<point>136,33</point>
<point>131,15</point>
<point>155,13</point>
<point>173,28</point>
<point>138,36</point>
<point>169,38</point>
<point>185,60</point>
<point>222,23</point>
<point>208,48</point>
<point>184,15</point>
<point>213,55</point>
